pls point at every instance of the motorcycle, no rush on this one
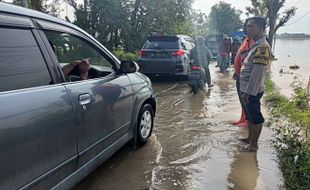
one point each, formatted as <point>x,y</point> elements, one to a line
<point>223,62</point>
<point>197,78</point>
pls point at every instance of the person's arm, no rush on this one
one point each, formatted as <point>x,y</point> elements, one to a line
<point>237,64</point>
<point>68,68</point>
<point>260,61</point>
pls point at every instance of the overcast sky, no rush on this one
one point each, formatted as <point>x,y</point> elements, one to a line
<point>299,23</point>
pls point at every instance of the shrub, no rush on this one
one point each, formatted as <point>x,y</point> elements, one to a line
<point>125,56</point>
<point>292,143</point>
<point>293,151</point>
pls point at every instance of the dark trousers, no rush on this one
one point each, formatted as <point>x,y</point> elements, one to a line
<point>252,109</point>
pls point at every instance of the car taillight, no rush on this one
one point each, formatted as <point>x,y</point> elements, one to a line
<point>141,53</point>
<point>195,67</point>
<point>177,53</point>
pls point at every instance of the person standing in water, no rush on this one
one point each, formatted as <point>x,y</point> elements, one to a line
<point>242,53</point>
<point>252,76</point>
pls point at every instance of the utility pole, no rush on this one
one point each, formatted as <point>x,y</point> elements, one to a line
<point>25,3</point>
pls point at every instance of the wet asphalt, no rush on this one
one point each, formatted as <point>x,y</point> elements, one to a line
<point>193,145</point>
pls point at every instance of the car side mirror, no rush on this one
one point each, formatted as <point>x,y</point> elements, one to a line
<point>129,67</point>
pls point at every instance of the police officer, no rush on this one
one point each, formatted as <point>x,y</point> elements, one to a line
<point>252,77</point>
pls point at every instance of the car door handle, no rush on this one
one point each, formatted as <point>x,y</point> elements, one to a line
<point>84,99</point>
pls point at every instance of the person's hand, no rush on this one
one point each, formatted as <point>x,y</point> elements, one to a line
<point>245,98</point>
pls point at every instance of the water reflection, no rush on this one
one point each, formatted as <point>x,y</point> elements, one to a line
<point>244,171</point>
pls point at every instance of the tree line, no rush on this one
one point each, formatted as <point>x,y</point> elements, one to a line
<point>125,24</point>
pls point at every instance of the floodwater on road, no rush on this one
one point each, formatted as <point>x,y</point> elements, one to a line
<point>193,146</point>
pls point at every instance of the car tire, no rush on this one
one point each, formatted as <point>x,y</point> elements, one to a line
<point>145,124</point>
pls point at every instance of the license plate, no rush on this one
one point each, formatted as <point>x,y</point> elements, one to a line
<point>194,77</point>
<point>158,54</point>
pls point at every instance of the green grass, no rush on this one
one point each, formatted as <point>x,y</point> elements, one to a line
<point>292,142</point>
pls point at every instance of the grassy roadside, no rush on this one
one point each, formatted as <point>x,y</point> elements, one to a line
<point>291,118</point>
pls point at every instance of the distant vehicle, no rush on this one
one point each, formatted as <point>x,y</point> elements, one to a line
<point>53,131</point>
<point>212,42</point>
<point>166,55</point>
<point>224,57</point>
<point>223,61</point>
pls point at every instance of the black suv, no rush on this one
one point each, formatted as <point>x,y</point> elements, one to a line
<point>168,55</point>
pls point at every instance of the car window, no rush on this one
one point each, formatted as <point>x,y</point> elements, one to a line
<point>21,62</point>
<point>161,45</point>
<point>69,48</point>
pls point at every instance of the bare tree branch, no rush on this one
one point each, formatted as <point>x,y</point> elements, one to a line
<point>288,14</point>
<point>271,10</point>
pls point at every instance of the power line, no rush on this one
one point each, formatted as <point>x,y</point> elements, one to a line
<point>298,19</point>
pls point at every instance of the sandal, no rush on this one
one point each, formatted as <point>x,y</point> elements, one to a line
<point>248,149</point>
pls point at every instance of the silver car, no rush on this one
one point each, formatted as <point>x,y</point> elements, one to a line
<point>57,127</point>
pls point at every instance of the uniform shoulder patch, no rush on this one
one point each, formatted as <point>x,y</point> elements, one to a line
<point>262,54</point>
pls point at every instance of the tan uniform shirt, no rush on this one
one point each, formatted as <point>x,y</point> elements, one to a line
<point>254,68</point>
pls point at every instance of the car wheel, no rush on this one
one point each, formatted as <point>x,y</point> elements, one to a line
<point>145,124</point>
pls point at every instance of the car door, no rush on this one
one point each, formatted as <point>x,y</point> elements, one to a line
<point>37,126</point>
<point>99,102</point>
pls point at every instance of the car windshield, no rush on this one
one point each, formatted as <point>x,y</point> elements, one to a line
<point>161,45</point>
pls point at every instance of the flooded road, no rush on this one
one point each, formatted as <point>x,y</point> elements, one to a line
<point>193,146</point>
